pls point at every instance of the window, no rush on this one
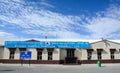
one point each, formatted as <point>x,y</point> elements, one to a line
<point>89,55</point>
<point>112,55</point>
<point>11,54</point>
<point>70,53</point>
<point>39,55</point>
<point>50,55</point>
<point>99,56</point>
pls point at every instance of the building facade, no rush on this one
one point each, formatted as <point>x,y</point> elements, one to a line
<point>60,52</point>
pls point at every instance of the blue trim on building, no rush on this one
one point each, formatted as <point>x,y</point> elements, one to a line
<point>43,44</point>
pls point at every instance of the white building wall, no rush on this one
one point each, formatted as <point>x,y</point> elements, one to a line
<point>44,54</point>
<point>6,53</point>
<point>1,52</point>
<point>84,54</point>
<point>78,53</point>
<point>63,54</point>
<point>17,54</point>
<point>105,54</point>
<point>94,55</point>
<point>117,55</point>
<point>106,49</point>
<point>34,53</point>
<point>56,54</point>
<point>60,54</point>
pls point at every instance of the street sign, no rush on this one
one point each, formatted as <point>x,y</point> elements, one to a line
<point>25,55</point>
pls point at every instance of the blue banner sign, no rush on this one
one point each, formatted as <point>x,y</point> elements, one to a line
<point>25,55</point>
<point>43,44</point>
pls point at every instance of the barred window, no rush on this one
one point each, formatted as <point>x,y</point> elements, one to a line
<point>12,53</point>
<point>50,54</point>
<point>99,55</point>
<point>112,55</point>
<point>89,56</point>
<point>39,55</point>
<point>70,53</point>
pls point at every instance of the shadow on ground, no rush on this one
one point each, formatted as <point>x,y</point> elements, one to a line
<point>6,70</point>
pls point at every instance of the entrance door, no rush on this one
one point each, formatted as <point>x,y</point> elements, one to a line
<point>70,59</point>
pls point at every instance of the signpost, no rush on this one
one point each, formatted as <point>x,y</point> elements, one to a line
<point>25,55</point>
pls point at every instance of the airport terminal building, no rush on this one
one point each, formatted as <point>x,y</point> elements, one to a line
<point>59,52</point>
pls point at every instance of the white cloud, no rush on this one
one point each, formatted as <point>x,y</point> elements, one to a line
<point>50,19</point>
<point>39,21</point>
<point>44,3</point>
<point>106,24</point>
<point>27,17</point>
<point>113,11</point>
<point>63,34</point>
<point>6,35</point>
<point>2,25</point>
<point>102,27</point>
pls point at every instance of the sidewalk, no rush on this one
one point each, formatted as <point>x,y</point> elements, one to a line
<point>61,65</point>
<point>32,65</point>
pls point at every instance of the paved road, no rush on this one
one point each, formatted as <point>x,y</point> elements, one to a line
<point>91,68</point>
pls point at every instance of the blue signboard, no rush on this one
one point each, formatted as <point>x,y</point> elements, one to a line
<point>43,44</point>
<point>25,55</point>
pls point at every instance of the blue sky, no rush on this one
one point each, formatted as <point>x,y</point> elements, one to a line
<point>64,19</point>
